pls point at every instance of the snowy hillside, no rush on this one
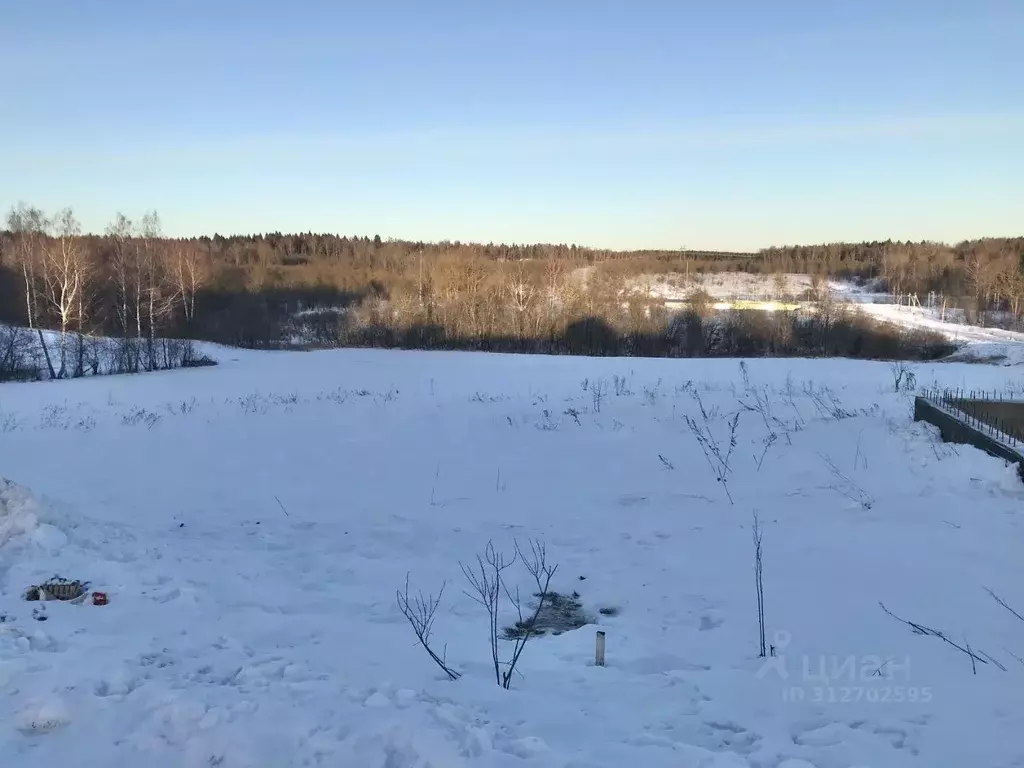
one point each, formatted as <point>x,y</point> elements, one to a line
<point>976,343</point>
<point>740,285</point>
<point>251,524</point>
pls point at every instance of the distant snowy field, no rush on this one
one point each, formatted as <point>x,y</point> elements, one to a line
<point>731,285</point>
<point>244,632</point>
<point>976,343</point>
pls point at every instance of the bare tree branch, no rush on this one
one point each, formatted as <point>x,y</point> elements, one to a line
<point>486,584</point>
<point>542,574</point>
<point>1003,603</point>
<point>920,629</point>
<point>420,611</point>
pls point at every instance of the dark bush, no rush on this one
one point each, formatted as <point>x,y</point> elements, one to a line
<point>18,359</point>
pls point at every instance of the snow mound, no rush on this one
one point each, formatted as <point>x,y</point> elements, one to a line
<point>17,512</point>
<point>24,538</point>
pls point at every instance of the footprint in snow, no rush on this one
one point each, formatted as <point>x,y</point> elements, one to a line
<point>377,700</point>
<point>709,622</point>
<point>820,733</point>
<point>632,500</point>
<point>724,734</point>
<point>896,737</point>
<point>661,664</point>
<point>119,685</point>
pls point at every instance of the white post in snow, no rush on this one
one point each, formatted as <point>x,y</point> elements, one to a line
<point>599,651</point>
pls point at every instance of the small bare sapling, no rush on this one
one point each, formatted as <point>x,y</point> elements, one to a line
<point>651,394</point>
<point>759,582</point>
<point>420,610</point>
<point>717,455</point>
<point>488,586</point>
<point>597,392</point>
<point>903,378</point>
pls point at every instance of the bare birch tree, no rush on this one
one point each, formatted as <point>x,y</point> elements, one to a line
<point>521,293</point>
<point>125,271</point>
<point>188,276</point>
<point>65,278</point>
<point>147,286</point>
<point>123,264</point>
<point>28,225</point>
<point>976,272</point>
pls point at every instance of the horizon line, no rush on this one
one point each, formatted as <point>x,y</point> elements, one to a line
<point>514,243</point>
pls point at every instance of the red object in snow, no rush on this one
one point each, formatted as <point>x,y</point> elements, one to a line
<point>99,598</point>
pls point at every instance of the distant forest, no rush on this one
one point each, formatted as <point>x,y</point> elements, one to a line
<point>273,289</point>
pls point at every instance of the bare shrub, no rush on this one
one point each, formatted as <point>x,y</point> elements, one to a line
<point>24,355</point>
<point>547,422</point>
<point>17,355</point>
<point>651,394</point>
<point>903,378</point>
<point>762,405</point>
<point>488,585</point>
<point>598,389</point>
<point>419,611</point>
<point>124,355</point>
<point>55,417</point>
<point>138,415</point>
<point>718,455</point>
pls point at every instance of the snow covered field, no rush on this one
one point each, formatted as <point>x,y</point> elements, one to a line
<point>744,285</point>
<point>722,285</point>
<point>251,524</point>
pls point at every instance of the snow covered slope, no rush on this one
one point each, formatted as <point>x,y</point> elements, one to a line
<point>977,343</point>
<point>251,523</point>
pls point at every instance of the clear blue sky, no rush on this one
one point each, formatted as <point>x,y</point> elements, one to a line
<point>625,124</point>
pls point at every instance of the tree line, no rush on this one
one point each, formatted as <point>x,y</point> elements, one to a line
<point>982,274</point>
<point>133,283</point>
